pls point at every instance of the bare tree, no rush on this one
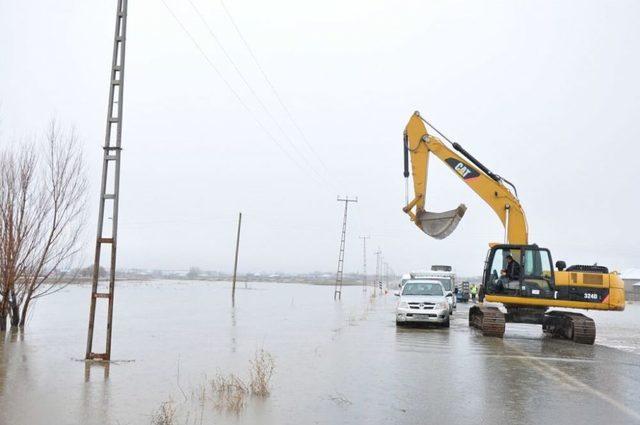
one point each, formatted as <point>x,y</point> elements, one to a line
<point>42,202</point>
<point>18,220</point>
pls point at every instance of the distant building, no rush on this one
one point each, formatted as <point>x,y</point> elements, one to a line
<point>630,277</point>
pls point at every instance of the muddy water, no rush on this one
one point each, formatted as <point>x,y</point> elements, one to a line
<point>341,362</point>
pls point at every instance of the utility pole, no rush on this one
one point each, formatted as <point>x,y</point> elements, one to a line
<point>110,184</point>
<point>392,273</point>
<point>235,263</point>
<point>337,292</point>
<point>364,262</point>
<point>386,275</point>
<point>375,284</point>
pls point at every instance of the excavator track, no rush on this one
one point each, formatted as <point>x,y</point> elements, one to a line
<point>489,320</point>
<point>574,326</point>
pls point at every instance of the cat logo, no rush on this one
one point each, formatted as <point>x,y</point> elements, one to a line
<point>464,170</point>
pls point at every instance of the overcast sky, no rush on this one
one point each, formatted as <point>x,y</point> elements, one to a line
<point>545,93</point>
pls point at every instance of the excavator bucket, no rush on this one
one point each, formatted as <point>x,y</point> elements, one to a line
<point>440,225</point>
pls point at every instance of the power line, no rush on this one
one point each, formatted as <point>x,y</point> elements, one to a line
<point>233,91</point>
<point>270,84</point>
<point>250,87</point>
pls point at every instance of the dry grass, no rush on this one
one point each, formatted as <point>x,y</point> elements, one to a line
<point>261,370</point>
<point>200,394</point>
<point>230,392</point>
<point>165,415</point>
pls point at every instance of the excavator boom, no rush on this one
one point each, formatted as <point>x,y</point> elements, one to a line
<point>419,145</point>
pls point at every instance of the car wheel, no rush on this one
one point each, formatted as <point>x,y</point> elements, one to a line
<point>446,323</point>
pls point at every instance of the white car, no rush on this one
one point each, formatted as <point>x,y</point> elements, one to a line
<point>448,281</point>
<point>422,301</point>
<point>442,274</point>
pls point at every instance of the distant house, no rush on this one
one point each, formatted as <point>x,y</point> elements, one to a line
<point>630,277</point>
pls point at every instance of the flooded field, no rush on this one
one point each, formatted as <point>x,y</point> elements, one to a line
<point>335,362</point>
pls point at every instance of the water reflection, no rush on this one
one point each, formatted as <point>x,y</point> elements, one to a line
<point>95,400</point>
<point>90,365</point>
<point>3,367</point>
<point>233,331</point>
<point>324,351</point>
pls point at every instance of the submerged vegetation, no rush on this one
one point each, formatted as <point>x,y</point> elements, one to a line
<point>230,392</point>
<point>226,392</point>
<point>165,415</point>
<point>261,370</point>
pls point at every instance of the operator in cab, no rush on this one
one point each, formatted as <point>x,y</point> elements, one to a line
<point>513,269</point>
<point>510,274</point>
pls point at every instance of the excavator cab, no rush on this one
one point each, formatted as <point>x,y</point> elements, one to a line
<point>531,276</point>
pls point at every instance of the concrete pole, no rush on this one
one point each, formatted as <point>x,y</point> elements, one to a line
<point>235,263</point>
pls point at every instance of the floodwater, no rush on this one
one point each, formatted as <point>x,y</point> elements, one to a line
<point>336,362</point>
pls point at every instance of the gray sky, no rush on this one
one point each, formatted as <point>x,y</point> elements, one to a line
<point>544,93</point>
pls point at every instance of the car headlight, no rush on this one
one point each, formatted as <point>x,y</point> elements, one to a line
<point>403,304</point>
<point>442,304</point>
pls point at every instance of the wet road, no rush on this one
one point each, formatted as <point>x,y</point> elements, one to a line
<point>336,363</point>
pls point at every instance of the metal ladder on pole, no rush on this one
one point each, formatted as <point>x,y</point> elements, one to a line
<point>337,292</point>
<point>110,185</point>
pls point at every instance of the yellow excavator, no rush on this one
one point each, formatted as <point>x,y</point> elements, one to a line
<point>517,274</point>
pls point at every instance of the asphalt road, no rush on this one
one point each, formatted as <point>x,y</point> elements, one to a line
<point>524,378</point>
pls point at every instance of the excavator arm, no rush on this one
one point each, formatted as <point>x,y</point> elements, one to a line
<point>419,145</point>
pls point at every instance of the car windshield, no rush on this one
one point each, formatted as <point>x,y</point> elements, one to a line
<point>422,288</point>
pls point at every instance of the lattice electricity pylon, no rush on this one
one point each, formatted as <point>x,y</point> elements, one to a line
<point>337,292</point>
<point>378,263</point>
<point>110,184</point>
<point>364,262</point>
<point>386,275</point>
